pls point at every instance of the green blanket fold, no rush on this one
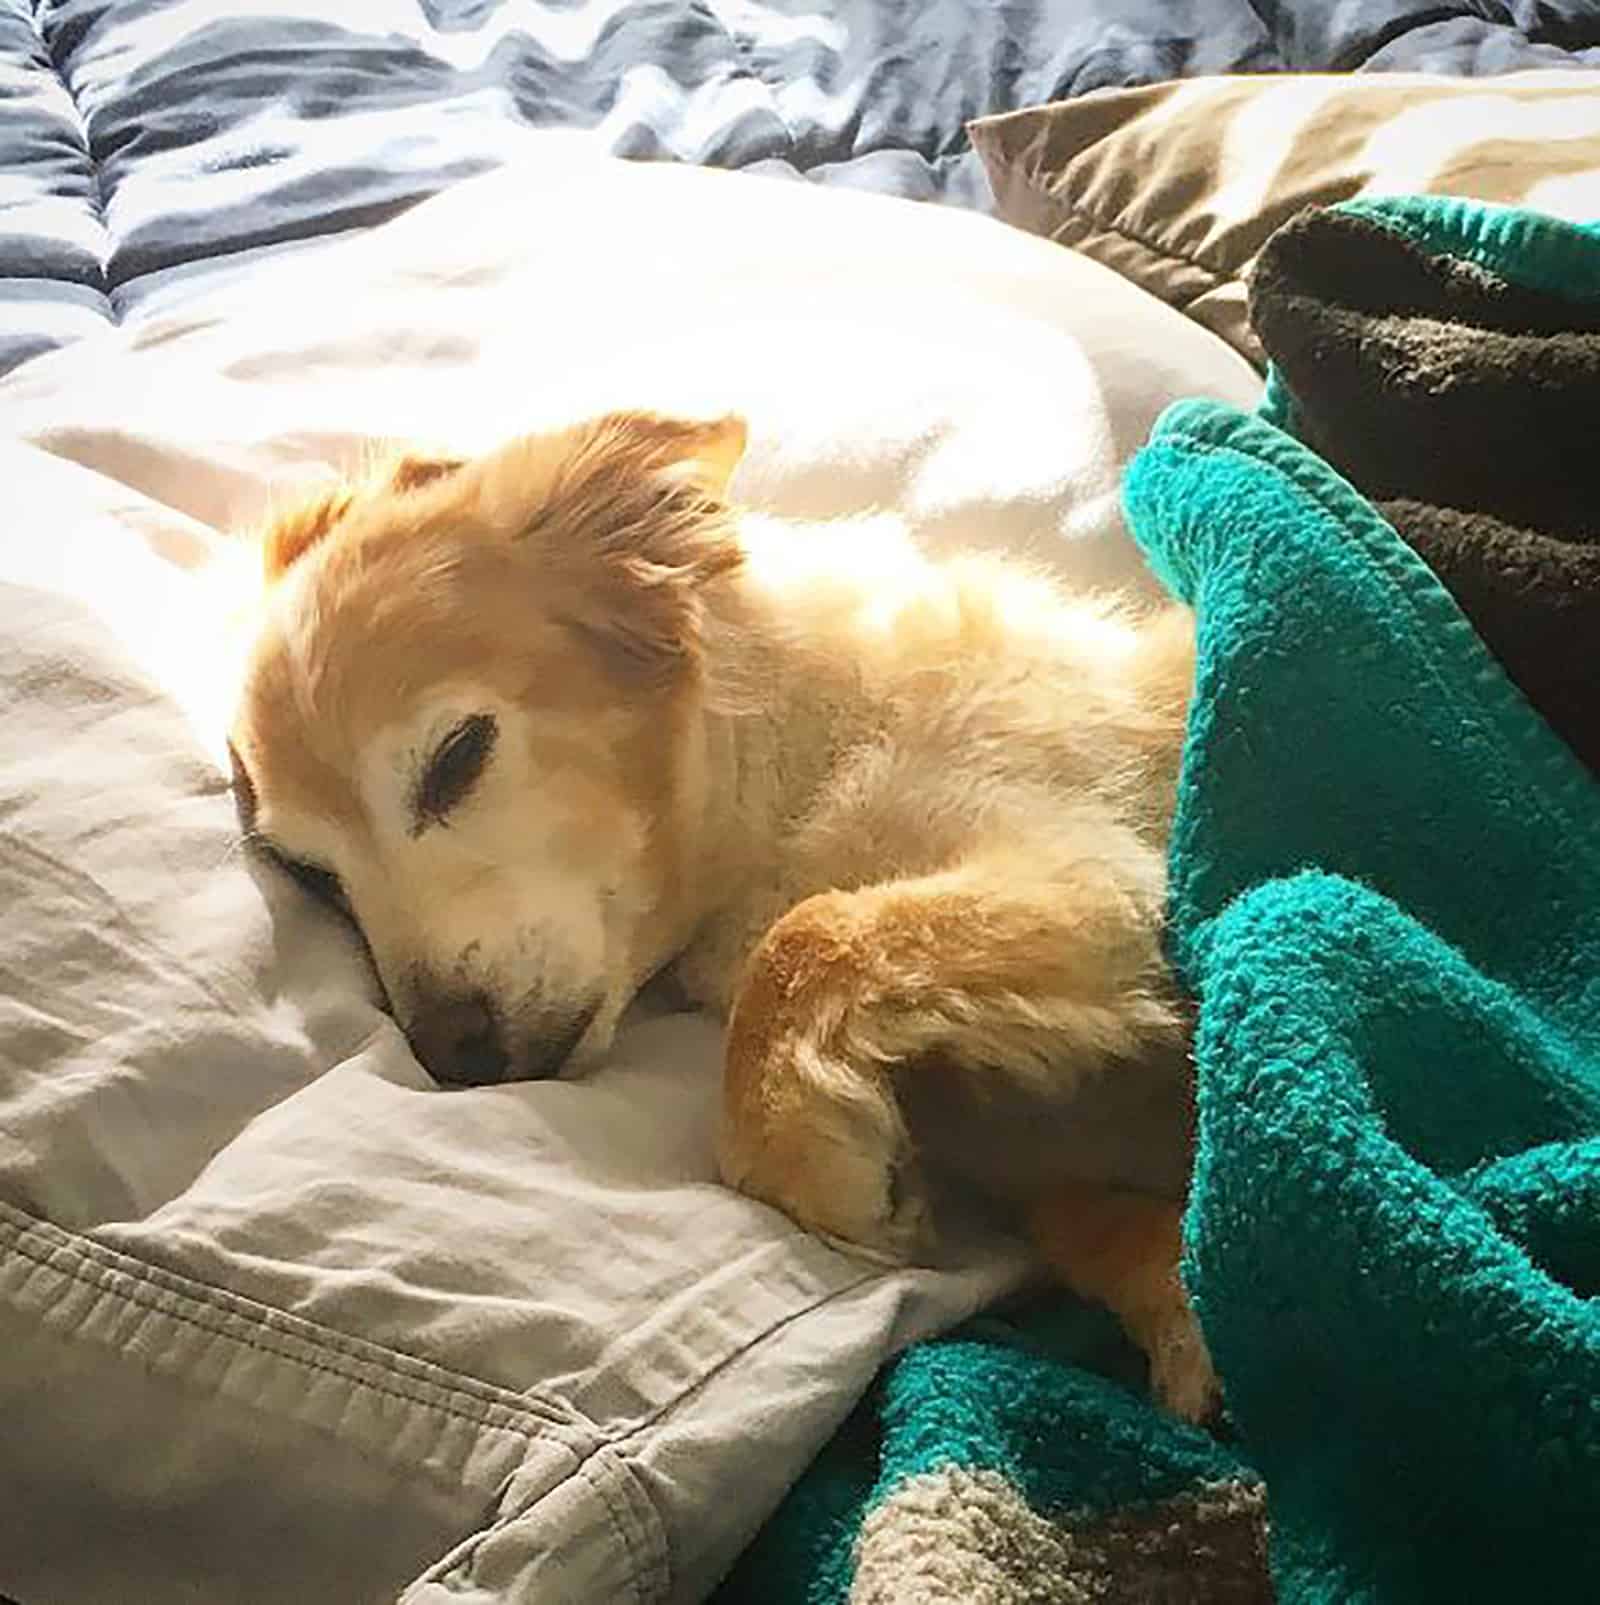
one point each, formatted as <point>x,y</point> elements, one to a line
<point>1386,898</point>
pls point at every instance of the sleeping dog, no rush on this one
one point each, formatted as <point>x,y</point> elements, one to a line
<point>550,721</point>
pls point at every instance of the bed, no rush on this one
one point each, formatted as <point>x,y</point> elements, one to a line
<point>278,1321</point>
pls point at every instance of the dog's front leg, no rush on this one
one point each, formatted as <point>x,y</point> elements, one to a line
<point>1001,966</point>
<point>992,966</point>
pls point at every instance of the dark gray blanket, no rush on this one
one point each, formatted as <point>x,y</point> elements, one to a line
<point>1461,397</point>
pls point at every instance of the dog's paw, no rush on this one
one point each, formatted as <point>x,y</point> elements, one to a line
<point>810,1119</point>
<point>1181,1373</point>
<point>838,1174</point>
<point>881,1213</point>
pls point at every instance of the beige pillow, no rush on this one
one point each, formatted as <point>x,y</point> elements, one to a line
<point>1178,186</point>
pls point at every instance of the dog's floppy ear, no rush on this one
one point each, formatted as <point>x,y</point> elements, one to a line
<point>299,527</point>
<point>702,452</point>
<point>295,530</point>
<point>636,517</point>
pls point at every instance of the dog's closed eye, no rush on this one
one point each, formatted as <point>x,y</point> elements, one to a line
<point>455,767</point>
<point>321,883</point>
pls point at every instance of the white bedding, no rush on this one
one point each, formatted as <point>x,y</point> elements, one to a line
<point>279,1321</point>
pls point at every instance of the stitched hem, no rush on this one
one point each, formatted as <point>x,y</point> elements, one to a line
<point>433,1422</point>
<point>1071,208</point>
<point>72,1282</point>
<point>510,1559</point>
<point>1517,244</point>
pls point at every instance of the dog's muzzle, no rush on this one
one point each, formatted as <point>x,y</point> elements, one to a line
<point>463,1042</point>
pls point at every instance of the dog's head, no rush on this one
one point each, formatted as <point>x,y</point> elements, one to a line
<point>472,719</point>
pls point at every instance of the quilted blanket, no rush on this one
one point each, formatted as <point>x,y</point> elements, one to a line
<point>148,144</point>
<point>1386,897</point>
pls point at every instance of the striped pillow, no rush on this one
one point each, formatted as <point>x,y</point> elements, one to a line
<point>1177,186</point>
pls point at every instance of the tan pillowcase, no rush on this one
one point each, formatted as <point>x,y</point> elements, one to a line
<point>1178,186</point>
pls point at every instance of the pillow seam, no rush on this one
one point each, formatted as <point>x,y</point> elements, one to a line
<point>1083,210</point>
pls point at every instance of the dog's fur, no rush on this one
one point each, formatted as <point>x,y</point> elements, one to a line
<point>902,821</point>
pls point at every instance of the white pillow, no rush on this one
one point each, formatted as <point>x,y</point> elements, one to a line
<point>277,1319</point>
<point>986,384</point>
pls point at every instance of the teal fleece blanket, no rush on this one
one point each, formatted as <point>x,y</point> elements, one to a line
<point>1386,899</point>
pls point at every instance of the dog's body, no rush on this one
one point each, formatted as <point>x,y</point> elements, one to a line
<point>558,718</point>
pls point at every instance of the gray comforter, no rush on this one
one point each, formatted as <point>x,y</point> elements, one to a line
<point>147,144</point>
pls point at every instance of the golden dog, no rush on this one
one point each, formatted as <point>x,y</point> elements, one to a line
<point>549,721</point>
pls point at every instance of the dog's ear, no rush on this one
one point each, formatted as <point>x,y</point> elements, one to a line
<point>296,529</point>
<point>637,518</point>
<point>413,471</point>
<point>701,452</point>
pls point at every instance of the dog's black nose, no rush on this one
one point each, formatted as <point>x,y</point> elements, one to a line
<point>459,1042</point>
